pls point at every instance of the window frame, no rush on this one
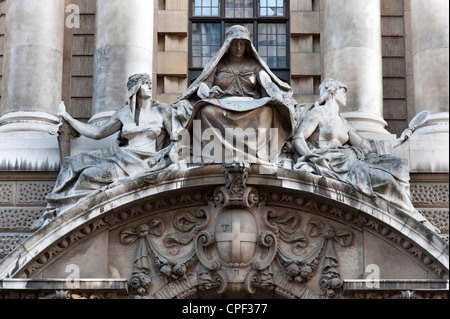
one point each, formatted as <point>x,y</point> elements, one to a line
<point>282,73</point>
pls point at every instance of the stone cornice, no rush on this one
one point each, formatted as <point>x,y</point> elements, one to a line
<point>396,289</point>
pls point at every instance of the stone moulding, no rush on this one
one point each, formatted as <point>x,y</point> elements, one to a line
<point>396,289</point>
<point>99,288</point>
<point>151,194</point>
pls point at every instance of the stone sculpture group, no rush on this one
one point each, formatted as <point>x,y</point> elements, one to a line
<point>237,93</point>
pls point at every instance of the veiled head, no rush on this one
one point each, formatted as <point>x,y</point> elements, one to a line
<point>135,81</point>
<point>239,39</point>
<point>238,32</point>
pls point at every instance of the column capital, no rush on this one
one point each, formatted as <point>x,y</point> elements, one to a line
<point>22,121</point>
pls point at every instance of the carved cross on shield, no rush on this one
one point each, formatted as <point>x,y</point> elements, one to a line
<point>236,236</point>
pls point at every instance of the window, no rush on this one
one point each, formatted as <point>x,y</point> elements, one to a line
<point>239,9</point>
<point>272,44</point>
<point>271,8</point>
<point>205,42</point>
<point>266,20</point>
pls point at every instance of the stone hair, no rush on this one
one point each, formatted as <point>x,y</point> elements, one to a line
<point>331,86</point>
<point>138,78</point>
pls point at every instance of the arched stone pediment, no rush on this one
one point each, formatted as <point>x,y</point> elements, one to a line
<point>206,230</point>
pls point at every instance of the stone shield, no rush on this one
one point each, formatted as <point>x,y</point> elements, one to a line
<point>236,235</point>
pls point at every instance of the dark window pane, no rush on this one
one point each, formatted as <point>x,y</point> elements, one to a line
<point>271,8</point>
<point>239,9</point>
<point>271,38</point>
<point>206,8</point>
<point>209,33</point>
<point>262,50</point>
<point>272,44</point>
<point>196,61</point>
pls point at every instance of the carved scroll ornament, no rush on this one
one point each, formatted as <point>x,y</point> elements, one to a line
<point>234,244</point>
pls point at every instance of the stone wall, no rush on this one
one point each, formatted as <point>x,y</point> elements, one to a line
<point>22,200</point>
<point>2,38</point>
<point>431,199</point>
<point>169,78</point>
<point>394,50</point>
<point>305,50</point>
<point>78,69</point>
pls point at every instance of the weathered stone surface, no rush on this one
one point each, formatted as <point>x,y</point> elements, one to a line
<point>295,215</point>
<point>243,231</point>
<point>122,49</point>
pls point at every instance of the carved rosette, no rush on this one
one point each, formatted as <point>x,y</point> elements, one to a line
<point>234,244</point>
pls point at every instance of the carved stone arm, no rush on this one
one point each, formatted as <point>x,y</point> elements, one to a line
<point>357,140</point>
<point>300,145</point>
<point>93,131</point>
<point>65,133</point>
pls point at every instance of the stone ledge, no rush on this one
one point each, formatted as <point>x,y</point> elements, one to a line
<point>406,288</point>
<point>55,288</point>
<point>119,284</point>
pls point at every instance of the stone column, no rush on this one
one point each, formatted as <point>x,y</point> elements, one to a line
<point>429,150</point>
<point>351,52</point>
<point>31,89</point>
<point>123,47</point>
<point>430,45</point>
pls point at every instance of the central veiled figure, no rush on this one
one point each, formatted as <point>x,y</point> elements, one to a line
<point>237,109</point>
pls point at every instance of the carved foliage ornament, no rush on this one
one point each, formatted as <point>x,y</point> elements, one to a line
<point>302,269</point>
<point>234,244</point>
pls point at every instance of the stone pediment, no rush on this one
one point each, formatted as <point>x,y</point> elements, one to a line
<point>198,231</point>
